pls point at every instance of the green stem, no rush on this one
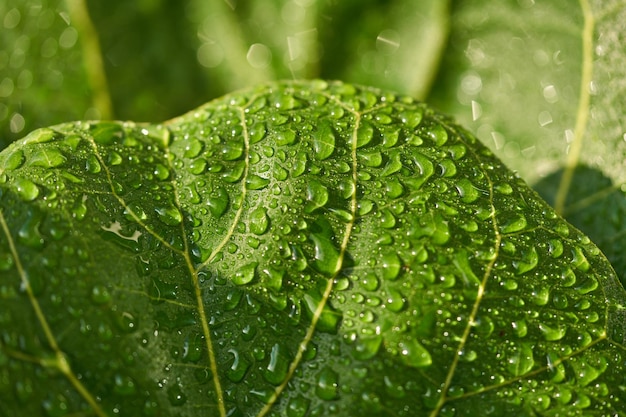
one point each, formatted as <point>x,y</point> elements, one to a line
<point>92,57</point>
<point>582,115</point>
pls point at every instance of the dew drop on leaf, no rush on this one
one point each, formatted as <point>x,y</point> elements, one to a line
<point>26,189</point>
<point>327,387</point>
<point>298,407</point>
<point>169,215</point>
<point>276,369</point>
<point>255,182</point>
<point>259,221</point>
<point>14,160</point>
<point>218,201</point>
<point>323,141</point>
<point>245,274</point>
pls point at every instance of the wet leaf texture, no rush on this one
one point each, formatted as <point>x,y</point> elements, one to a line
<point>299,249</point>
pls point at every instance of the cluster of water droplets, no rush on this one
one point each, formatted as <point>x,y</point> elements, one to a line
<point>331,233</point>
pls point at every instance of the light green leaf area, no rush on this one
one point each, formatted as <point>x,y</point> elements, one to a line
<point>298,249</point>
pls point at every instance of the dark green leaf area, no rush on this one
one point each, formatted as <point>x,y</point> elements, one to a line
<point>299,249</point>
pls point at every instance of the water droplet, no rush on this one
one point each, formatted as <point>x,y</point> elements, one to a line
<point>555,248</point>
<point>29,233</point>
<point>235,172</point>
<point>218,201</point>
<point>413,354</point>
<point>447,169</point>
<point>169,215</point>
<point>579,260</point>
<point>124,385</point>
<point>284,137</point>
<point>528,262</point>
<point>255,182</point>
<point>175,395</point>
<point>274,279</point>
<point>92,164</point>
<point>467,191</point>
<point>245,274</point>
<point>393,165</point>
<point>259,221</point>
<point>552,333</point>
<point>364,134</point>
<point>26,189</point>
<point>298,406</point>
<point>317,196</point>
<point>366,347</point>
<point>324,141</point>
<point>14,160</point>
<point>371,159</point>
<point>541,295</point>
<point>276,370</point>
<point>394,300</point>
<point>411,118</point>
<point>232,150</point>
<point>437,134</point>
<point>161,172</point>
<point>370,282</point>
<point>394,188</point>
<point>515,223</point>
<point>521,361</point>
<point>391,266</point>
<point>327,387</point>
<point>100,294</point>
<point>193,147</point>
<point>238,368</point>
<point>47,158</point>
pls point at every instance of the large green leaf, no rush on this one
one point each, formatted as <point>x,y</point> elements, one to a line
<point>296,249</point>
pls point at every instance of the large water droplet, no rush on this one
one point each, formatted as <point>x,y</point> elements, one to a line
<point>276,370</point>
<point>316,195</point>
<point>324,141</point>
<point>413,354</point>
<point>47,158</point>
<point>238,368</point>
<point>245,274</point>
<point>521,361</point>
<point>515,223</point>
<point>169,215</point>
<point>218,201</point>
<point>327,387</point>
<point>364,135</point>
<point>26,189</point>
<point>14,160</point>
<point>259,221</point>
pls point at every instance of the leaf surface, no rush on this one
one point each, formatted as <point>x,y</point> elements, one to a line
<point>300,248</point>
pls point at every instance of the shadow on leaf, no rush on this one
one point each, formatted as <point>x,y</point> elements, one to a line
<point>597,207</point>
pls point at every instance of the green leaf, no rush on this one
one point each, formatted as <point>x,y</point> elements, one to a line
<point>228,263</point>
